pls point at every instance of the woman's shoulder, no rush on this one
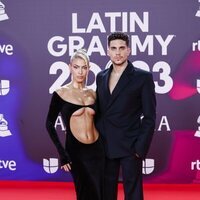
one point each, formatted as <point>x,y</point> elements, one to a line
<point>63,93</point>
<point>63,90</point>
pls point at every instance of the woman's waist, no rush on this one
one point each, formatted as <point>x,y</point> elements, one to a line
<point>87,136</point>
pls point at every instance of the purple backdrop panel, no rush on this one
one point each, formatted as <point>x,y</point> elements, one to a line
<point>36,41</point>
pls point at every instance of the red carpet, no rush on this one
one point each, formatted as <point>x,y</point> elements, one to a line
<point>20,190</point>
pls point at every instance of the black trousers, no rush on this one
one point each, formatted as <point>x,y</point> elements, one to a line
<point>131,168</point>
<point>87,168</point>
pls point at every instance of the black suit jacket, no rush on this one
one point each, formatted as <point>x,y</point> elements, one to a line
<point>119,116</point>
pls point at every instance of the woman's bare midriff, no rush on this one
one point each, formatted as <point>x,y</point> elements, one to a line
<point>82,125</point>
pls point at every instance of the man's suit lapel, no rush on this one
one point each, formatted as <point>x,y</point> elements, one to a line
<point>122,83</point>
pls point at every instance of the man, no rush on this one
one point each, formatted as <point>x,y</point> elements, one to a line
<point>126,121</point>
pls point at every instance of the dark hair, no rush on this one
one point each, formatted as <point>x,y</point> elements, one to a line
<point>118,36</point>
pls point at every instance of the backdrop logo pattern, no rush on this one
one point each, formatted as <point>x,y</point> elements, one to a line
<point>34,63</point>
<point>3,15</point>
<point>197,133</point>
<point>148,166</point>
<point>6,49</point>
<point>8,164</point>
<point>198,11</point>
<point>4,87</point>
<point>4,131</point>
<point>198,86</point>
<point>50,166</point>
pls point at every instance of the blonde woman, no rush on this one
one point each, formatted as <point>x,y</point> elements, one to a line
<point>83,154</point>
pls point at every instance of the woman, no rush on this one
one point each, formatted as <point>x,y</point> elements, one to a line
<point>83,154</point>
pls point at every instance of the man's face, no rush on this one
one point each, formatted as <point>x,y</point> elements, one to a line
<point>118,52</point>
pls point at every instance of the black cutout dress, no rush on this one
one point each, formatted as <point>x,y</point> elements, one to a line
<point>87,167</point>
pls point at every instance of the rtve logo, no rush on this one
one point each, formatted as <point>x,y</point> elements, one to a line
<point>8,164</point>
<point>7,49</point>
<point>195,165</point>
<point>196,46</point>
<point>4,87</point>
<point>148,166</point>
<point>50,166</point>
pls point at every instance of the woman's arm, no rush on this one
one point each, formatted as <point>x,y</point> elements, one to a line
<point>54,110</point>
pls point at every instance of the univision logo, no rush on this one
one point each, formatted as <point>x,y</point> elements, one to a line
<point>198,85</point>
<point>50,166</point>
<point>4,87</point>
<point>148,166</point>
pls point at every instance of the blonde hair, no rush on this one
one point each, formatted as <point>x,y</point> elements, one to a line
<point>81,53</point>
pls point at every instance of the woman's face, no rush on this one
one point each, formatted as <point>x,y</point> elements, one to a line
<point>79,70</point>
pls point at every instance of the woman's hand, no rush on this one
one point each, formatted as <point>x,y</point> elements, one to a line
<point>66,167</point>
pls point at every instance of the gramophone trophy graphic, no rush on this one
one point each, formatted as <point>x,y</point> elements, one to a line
<point>4,132</point>
<point>3,15</point>
<point>197,133</point>
<point>198,11</point>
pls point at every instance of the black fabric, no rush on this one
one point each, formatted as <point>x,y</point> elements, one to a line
<point>119,114</point>
<point>87,168</point>
<point>131,168</point>
<point>123,131</point>
<point>87,159</point>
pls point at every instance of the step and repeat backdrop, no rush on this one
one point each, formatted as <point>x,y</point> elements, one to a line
<point>37,39</point>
